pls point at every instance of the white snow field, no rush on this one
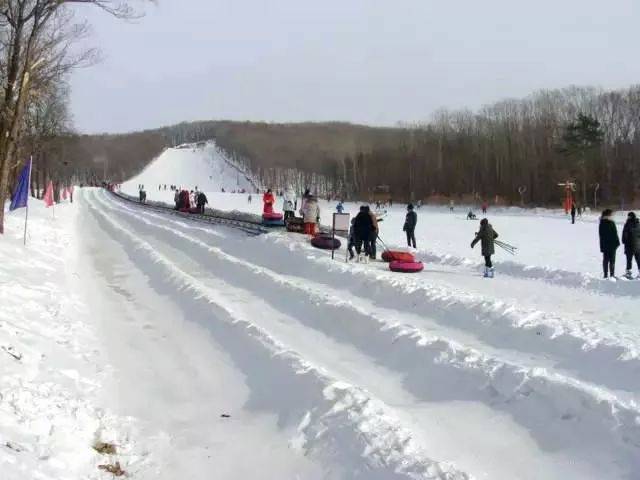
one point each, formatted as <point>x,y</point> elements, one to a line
<point>142,329</point>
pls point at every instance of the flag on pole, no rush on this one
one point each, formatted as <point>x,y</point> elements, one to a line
<point>21,194</point>
<point>48,194</point>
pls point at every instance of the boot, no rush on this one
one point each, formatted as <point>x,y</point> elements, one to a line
<point>628,275</point>
<point>491,272</point>
<point>486,272</point>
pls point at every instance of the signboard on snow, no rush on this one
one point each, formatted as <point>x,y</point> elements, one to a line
<point>341,222</point>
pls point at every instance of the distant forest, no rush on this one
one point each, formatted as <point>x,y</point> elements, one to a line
<point>513,151</point>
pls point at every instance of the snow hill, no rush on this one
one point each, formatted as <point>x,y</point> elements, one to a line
<point>191,165</point>
<point>199,350</point>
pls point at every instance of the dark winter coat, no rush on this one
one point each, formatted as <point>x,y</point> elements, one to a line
<point>201,201</point>
<point>410,221</point>
<point>631,236</point>
<point>486,235</point>
<point>363,225</point>
<point>608,232</point>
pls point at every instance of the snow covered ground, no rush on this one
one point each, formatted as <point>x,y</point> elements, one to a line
<point>322,369</point>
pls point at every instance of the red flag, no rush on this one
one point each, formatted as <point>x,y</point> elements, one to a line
<point>64,193</point>
<point>48,194</point>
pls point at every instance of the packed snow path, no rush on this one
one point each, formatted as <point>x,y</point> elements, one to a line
<point>349,371</point>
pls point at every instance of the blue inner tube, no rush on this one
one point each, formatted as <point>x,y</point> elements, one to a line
<point>273,223</point>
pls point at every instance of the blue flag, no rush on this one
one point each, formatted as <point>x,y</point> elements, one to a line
<point>21,195</point>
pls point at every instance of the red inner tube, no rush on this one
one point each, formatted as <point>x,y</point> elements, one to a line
<point>398,256</point>
<point>406,267</point>
<point>272,216</point>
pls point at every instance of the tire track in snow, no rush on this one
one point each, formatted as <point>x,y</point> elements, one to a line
<point>336,419</point>
<point>531,395</point>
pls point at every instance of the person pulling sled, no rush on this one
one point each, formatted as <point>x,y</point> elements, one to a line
<point>486,235</point>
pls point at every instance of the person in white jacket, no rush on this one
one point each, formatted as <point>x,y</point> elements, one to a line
<point>311,215</point>
<point>289,203</point>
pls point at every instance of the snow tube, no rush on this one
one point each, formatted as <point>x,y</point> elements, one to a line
<point>272,216</point>
<point>325,242</point>
<point>295,224</point>
<point>398,256</point>
<point>406,267</point>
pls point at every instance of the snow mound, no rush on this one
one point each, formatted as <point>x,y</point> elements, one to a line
<point>188,166</point>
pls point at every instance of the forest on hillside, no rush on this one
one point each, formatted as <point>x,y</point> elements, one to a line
<point>514,151</point>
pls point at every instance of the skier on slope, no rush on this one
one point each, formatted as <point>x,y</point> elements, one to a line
<point>487,236</point>
<point>289,203</point>
<point>268,200</point>
<point>631,241</point>
<point>410,225</point>
<point>609,243</point>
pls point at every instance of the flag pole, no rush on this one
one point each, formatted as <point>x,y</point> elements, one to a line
<point>26,210</point>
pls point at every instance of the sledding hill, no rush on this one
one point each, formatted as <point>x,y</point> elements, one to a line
<point>192,165</point>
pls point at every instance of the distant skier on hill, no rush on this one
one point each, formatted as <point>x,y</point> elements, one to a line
<point>410,225</point>
<point>487,236</point>
<point>631,241</point>
<point>609,243</point>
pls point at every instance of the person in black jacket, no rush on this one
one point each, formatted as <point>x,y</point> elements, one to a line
<point>609,243</point>
<point>410,225</point>
<point>201,201</point>
<point>363,229</point>
<point>631,241</point>
<point>486,235</point>
<point>573,213</point>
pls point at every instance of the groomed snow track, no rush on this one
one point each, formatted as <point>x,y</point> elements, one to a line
<point>238,221</point>
<point>383,376</point>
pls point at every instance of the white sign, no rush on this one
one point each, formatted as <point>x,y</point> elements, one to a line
<point>341,222</point>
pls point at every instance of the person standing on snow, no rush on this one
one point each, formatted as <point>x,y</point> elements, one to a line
<point>352,239</point>
<point>201,201</point>
<point>340,207</point>
<point>363,230</point>
<point>410,225</point>
<point>268,200</point>
<point>310,215</point>
<point>373,237</point>
<point>289,203</point>
<point>609,243</point>
<point>631,242</point>
<point>451,204</point>
<point>487,236</point>
<point>176,199</point>
<point>573,213</point>
<point>485,206</point>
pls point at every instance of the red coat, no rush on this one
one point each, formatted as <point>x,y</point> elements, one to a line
<point>268,199</point>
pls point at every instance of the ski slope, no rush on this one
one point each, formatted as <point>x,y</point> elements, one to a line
<point>189,166</point>
<point>322,369</point>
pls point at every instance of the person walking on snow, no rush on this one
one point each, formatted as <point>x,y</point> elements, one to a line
<point>410,225</point>
<point>486,235</point>
<point>451,204</point>
<point>609,243</point>
<point>631,242</point>
<point>484,208</point>
<point>289,203</point>
<point>340,207</point>
<point>268,200</point>
<point>363,230</point>
<point>201,201</point>
<point>310,215</point>
<point>573,213</point>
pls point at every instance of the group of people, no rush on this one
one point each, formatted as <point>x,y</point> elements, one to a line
<point>363,233</point>
<point>185,199</point>
<point>609,243</point>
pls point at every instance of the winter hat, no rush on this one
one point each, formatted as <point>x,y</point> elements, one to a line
<point>484,221</point>
<point>607,212</point>
<point>631,215</point>
<point>410,206</point>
